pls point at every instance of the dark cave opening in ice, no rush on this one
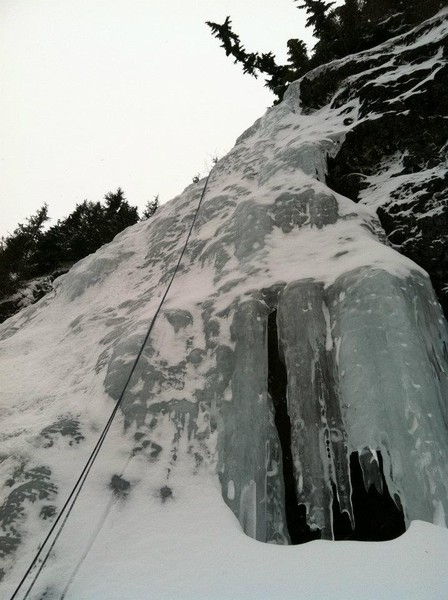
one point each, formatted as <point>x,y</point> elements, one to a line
<point>377,516</point>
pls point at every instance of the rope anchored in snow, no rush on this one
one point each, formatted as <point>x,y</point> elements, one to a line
<point>64,514</point>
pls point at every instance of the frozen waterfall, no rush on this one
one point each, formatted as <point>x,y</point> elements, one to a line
<point>299,365</point>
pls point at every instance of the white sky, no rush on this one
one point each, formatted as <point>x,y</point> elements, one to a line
<point>98,94</point>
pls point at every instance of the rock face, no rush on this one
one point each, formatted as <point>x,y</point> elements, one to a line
<point>298,357</point>
<point>394,154</point>
<point>29,294</point>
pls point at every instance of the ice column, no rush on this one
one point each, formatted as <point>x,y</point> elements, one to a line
<point>392,342</point>
<point>318,441</point>
<point>250,455</point>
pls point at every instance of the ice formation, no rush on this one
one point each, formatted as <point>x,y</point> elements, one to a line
<point>299,362</point>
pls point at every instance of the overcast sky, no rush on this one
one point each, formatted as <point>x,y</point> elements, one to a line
<point>98,94</point>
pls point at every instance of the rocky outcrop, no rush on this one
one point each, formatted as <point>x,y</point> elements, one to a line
<point>394,152</point>
<point>29,293</point>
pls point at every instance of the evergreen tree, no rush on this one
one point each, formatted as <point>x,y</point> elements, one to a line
<point>92,224</point>
<point>340,30</point>
<point>318,17</point>
<point>30,252</point>
<point>118,214</point>
<point>83,231</point>
<point>150,208</point>
<point>278,76</point>
<point>18,251</point>
<point>298,55</point>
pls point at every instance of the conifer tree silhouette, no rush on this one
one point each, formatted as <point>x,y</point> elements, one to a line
<point>340,30</point>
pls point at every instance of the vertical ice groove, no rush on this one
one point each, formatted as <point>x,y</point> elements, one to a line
<point>329,339</point>
<point>250,447</point>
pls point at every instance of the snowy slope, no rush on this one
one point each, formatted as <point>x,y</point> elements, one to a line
<point>189,482</point>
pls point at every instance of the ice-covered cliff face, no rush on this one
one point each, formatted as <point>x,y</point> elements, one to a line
<point>297,370</point>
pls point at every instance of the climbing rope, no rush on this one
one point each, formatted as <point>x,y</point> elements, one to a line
<point>93,537</point>
<point>64,514</point>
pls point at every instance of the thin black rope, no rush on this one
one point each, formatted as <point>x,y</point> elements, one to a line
<point>73,496</point>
